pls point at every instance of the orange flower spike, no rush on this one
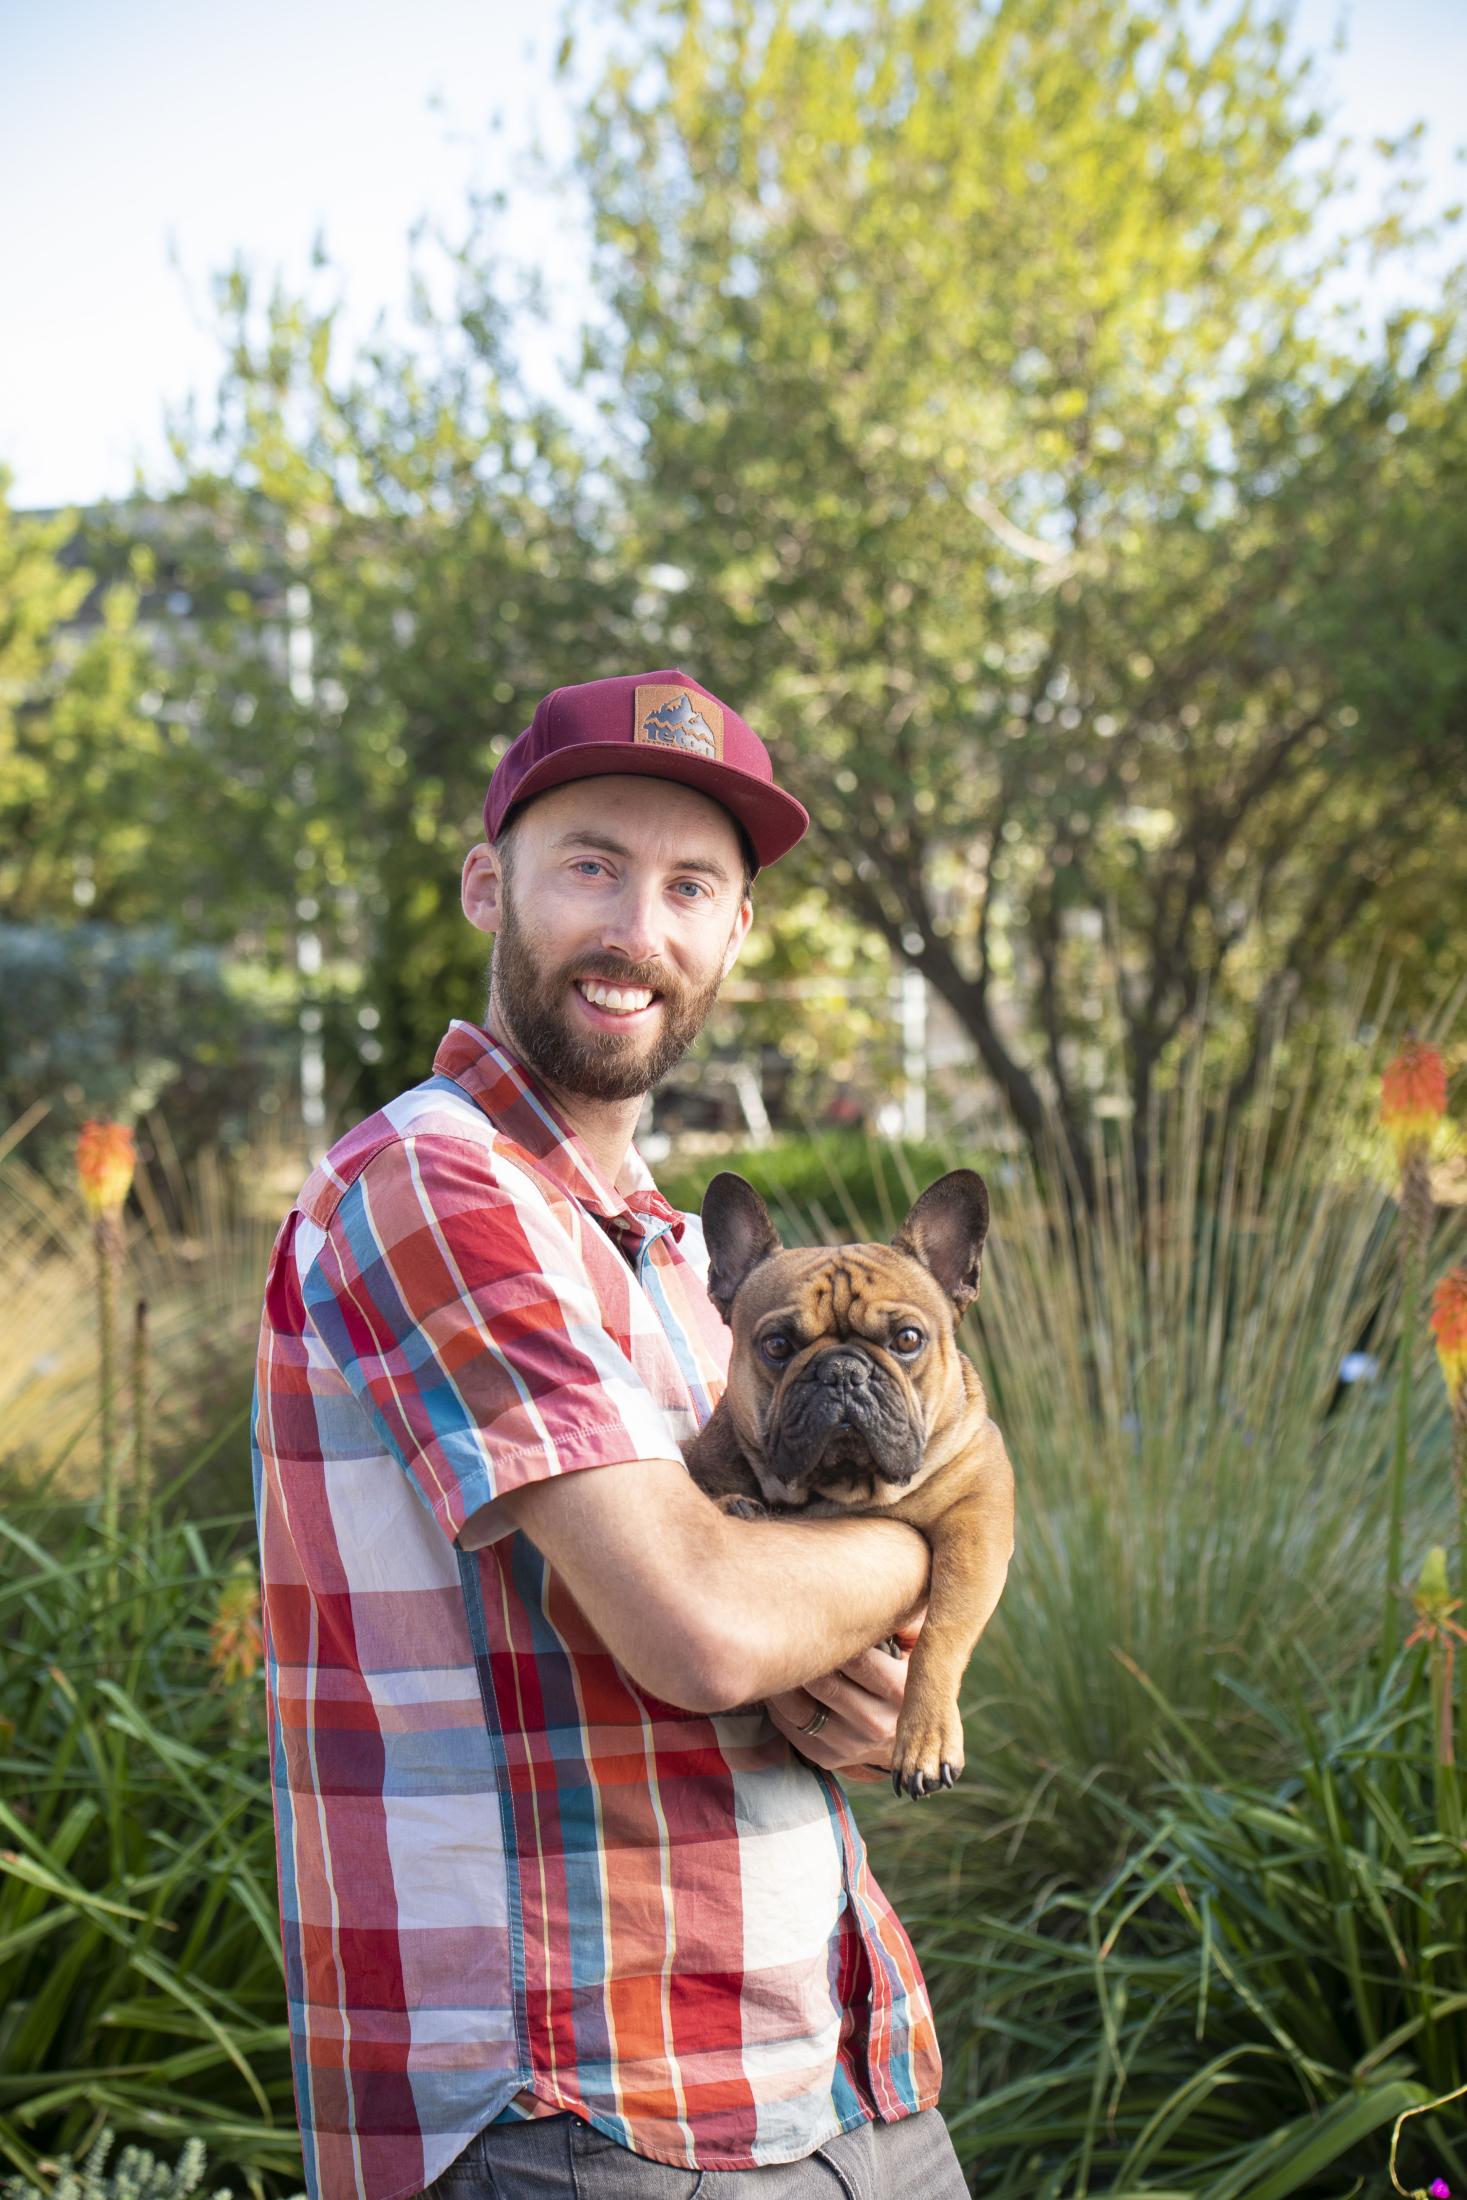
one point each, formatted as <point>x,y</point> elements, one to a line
<point>236,1644</point>
<point>1449,1327</point>
<point>105,1160</point>
<point>1413,1096</point>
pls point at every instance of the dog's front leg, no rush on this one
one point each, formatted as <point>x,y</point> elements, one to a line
<point>972,1542</point>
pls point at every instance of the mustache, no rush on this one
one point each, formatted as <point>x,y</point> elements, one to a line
<point>612,972</point>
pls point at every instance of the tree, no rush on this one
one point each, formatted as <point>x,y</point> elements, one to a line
<point>451,553</point>
<point>1099,578</point>
<point>77,750</point>
<point>436,568</point>
<point>109,820</point>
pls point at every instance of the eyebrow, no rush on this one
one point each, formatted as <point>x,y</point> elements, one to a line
<point>607,846</point>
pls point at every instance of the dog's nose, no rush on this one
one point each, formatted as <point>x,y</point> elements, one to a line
<point>850,1369</point>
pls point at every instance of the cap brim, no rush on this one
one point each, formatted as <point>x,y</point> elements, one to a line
<point>773,820</point>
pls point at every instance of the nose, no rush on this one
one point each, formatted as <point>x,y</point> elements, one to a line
<point>851,1369</point>
<point>631,926</point>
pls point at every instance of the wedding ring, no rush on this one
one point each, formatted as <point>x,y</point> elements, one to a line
<point>821,1715</point>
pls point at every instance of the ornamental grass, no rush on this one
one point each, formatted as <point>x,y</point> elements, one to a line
<point>193,1249</point>
<point>1195,1922</point>
<point>141,1985</point>
<point>1271,1979</point>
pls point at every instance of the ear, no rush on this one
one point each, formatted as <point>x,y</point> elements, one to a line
<point>739,1233</point>
<point>482,888</point>
<point>738,935</point>
<point>945,1231</point>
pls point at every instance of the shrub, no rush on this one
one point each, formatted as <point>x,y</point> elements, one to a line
<point>1244,2007</point>
<point>141,1984</point>
<point>842,1185</point>
<point>135,2175</point>
<point>111,1022</point>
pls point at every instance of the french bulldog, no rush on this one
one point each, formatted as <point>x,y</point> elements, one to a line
<point>847,1392</point>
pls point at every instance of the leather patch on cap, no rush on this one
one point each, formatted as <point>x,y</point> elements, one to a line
<point>678,718</point>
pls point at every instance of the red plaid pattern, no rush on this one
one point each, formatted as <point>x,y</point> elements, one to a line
<point>508,1875</point>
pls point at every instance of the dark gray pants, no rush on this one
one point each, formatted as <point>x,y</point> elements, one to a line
<point>562,2158</point>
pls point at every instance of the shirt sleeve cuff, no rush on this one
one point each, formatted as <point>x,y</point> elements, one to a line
<point>465,1493</point>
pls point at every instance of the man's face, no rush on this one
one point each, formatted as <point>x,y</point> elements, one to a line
<point>623,914</point>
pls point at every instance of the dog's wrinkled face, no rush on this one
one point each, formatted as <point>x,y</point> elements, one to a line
<point>844,1357</point>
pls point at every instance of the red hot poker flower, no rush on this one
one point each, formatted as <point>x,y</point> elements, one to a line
<point>1413,1096</point>
<point>105,1160</point>
<point>1449,1327</point>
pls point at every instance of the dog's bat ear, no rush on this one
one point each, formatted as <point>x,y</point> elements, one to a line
<point>945,1231</point>
<point>739,1232</point>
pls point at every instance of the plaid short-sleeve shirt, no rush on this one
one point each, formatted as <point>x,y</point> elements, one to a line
<point>509,1875</point>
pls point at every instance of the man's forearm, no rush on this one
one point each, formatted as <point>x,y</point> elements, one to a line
<point>797,1598</point>
<point>709,1611</point>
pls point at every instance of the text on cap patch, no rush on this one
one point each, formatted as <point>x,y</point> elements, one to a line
<point>674,718</point>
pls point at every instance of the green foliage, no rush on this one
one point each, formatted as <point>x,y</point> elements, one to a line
<point>1193,1919</point>
<point>977,415</point>
<point>1200,1498</point>
<point>388,560</point>
<point>840,1187</point>
<point>100,1020</point>
<point>196,1245</point>
<point>1198,1492</point>
<point>395,557</point>
<point>1090,571</point>
<point>810,998</point>
<point>135,2175</point>
<point>1245,2006</point>
<point>82,768</point>
<point>1096,575</point>
<point>141,1986</point>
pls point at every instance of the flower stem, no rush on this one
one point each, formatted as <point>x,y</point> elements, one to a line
<point>1459,1464</point>
<point>104,1235</point>
<point>141,1493</point>
<point>1411,1262</point>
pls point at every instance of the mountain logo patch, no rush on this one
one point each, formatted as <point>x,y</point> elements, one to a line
<point>674,718</point>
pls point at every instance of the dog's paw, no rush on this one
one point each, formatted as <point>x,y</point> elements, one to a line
<point>743,1508</point>
<point>929,1749</point>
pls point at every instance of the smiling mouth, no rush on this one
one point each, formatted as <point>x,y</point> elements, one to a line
<point>615,1004</point>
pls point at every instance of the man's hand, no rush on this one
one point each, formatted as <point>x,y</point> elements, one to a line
<point>863,1701</point>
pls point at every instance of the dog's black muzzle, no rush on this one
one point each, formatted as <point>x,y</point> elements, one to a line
<point>842,1413</point>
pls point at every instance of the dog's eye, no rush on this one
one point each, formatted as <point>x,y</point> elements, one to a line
<point>776,1347</point>
<point>907,1341</point>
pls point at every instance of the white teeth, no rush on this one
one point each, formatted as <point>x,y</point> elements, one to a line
<point>622,1000</point>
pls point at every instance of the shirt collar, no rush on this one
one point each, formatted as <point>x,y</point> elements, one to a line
<point>517,1105</point>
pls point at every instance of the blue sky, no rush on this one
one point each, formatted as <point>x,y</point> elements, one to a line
<point>143,144</point>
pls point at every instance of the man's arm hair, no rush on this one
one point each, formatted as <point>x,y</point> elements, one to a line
<point>706,1611</point>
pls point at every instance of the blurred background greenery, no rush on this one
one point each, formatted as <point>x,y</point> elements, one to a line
<point>990,401</point>
<point>984,400</point>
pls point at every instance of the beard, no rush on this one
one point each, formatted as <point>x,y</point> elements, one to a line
<point>595,1065</point>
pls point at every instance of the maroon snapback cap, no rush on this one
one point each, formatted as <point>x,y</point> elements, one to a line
<point>660,723</point>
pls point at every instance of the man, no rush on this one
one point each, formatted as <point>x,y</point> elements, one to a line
<point>571,1901</point>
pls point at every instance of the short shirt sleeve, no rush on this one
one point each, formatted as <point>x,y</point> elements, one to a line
<point>464,1321</point>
